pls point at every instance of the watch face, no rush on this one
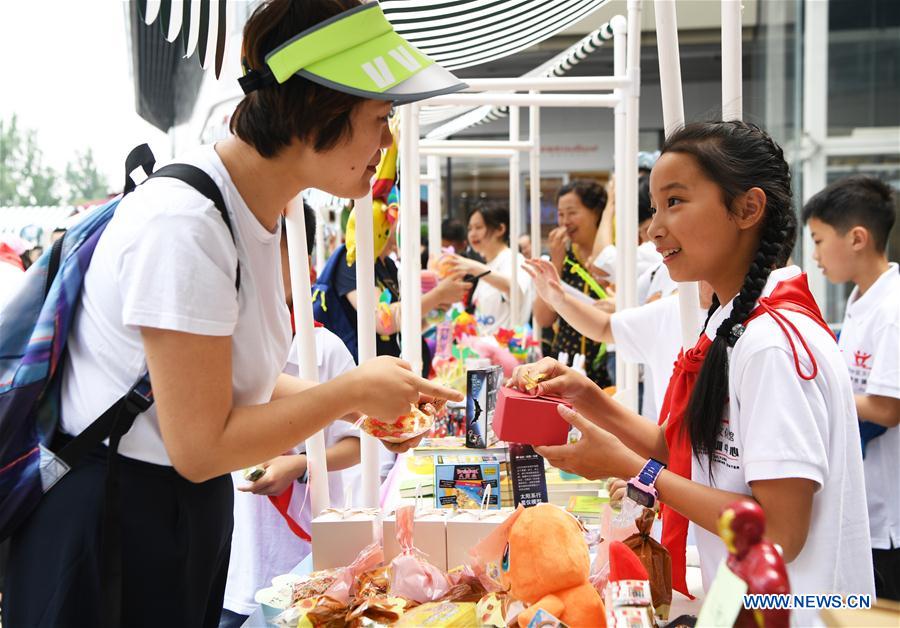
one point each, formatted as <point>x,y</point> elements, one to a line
<point>639,496</point>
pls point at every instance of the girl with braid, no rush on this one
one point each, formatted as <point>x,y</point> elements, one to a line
<point>762,406</point>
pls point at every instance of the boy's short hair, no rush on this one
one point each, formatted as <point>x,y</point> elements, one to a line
<point>270,118</point>
<point>856,201</point>
<point>453,230</point>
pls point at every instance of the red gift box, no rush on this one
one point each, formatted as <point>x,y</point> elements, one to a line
<point>524,418</point>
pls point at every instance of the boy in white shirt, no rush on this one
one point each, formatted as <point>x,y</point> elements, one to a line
<point>263,545</point>
<point>850,221</point>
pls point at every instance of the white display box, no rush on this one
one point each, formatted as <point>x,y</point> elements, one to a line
<point>429,536</point>
<point>466,527</point>
<point>339,535</point>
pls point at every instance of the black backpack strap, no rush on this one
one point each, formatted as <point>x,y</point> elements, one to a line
<point>53,266</point>
<point>203,183</point>
<point>121,413</point>
<point>113,423</point>
<point>140,156</point>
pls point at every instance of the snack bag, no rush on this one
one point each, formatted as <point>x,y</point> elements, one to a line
<point>412,576</point>
<point>347,578</point>
<point>417,421</point>
<point>655,559</point>
<point>441,614</point>
<point>377,611</point>
<point>610,530</point>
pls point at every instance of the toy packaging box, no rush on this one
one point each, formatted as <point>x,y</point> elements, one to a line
<point>460,481</point>
<point>482,385</point>
<point>524,418</point>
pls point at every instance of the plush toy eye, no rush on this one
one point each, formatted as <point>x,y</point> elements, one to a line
<point>505,563</point>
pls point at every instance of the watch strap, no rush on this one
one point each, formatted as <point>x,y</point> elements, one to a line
<point>650,472</point>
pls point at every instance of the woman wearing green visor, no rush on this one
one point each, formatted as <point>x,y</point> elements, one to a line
<point>321,79</point>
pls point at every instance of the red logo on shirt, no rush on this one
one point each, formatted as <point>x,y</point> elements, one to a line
<point>862,359</point>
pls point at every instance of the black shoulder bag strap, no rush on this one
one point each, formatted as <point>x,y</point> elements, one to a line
<point>119,417</point>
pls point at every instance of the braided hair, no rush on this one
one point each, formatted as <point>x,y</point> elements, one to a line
<point>736,156</point>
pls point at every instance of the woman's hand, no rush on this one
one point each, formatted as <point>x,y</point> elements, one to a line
<point>452,289</point>
<point>280,472</point>
<point>558,243</point>
<point>385,387</point>
<point>552,378</point>
<point>399,448</point>
<point>597,455</point>
<point>466,266</point>
<point>545,280</point>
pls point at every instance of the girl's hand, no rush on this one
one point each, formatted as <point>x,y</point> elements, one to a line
<point>597,455</point>
<point>545,280</point>
<point>551,378</point>
<point>386,386</point>
<point>616,489</point>
<point>280,472</point>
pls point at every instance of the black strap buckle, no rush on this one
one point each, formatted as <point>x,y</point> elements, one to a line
<point>256,79</point>
<point>139,398</point>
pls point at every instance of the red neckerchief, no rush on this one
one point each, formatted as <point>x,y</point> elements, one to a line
<point>791,294</point>
<point>283,500</point>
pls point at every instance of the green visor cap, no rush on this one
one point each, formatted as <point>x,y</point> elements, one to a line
<point>358,52</point>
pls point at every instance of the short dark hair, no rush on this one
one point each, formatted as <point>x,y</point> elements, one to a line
<point>269,119</point>
<point>591,194</point>
<point>644,211</point>
<point>494,216</point>
<point>309,219</point>
<point>856,201</point>
<point>453,230</point>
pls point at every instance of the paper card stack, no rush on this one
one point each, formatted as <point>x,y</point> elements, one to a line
<point>339,534</point>
<point>466,527</point>
<point>429,536</point>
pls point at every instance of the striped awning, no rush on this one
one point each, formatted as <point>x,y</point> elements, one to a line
<point>464,33</point>
<point>472,116</point>
<point>455,33</point>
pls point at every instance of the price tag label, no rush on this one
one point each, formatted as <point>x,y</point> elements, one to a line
<point>724,600</point>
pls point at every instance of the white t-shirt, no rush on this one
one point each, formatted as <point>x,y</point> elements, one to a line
<point>262,545</point>
<point>870,342</point>
<point>647,257</point>
<point>781,426</point>
<point>655,280</point>
<point>492,307</point>
<point>167,261</point>
<point>651,335</point>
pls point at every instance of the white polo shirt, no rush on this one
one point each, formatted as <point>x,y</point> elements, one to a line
<point>651,335</point>
<point>781,426</point>
<point>655,280</point>
<point>870,343</point>
<point>646,258</point>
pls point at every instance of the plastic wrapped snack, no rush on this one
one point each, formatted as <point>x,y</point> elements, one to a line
<point>412,576</point>
<point>656,561</point>
<point>416,422</point>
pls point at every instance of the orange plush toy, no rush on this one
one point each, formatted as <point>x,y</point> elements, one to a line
<point>546,565</point>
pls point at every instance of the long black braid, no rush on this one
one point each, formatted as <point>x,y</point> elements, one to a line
<point>737,156</point>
